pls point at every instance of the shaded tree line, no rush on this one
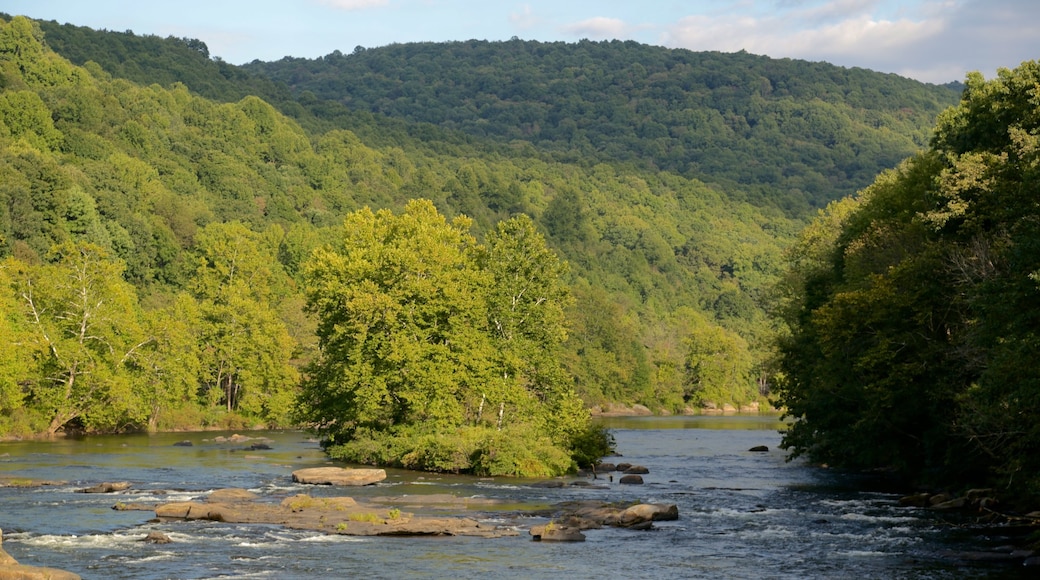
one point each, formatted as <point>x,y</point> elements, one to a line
<point>913,307</point>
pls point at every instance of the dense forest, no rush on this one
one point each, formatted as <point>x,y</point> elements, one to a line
<point>163,214</point>
<point>914,307</point>
<point>790,133</point>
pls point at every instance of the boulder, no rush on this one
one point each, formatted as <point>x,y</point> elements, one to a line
<point>605,467</point>
<point>591,514</point>
<point>759,449</point>
<point>953,504</point>
<point>338,476</point>
<point>940,498</point>
<point>622,466</point>
<point>556,533</point>
<point>631,480</point>
<point>107,487</point>
<point>654,512</point>
<point>301,502</point>
<point>184,443</point>
<point>339,515</point>
<point>915,500</point>
<point>638,470</point>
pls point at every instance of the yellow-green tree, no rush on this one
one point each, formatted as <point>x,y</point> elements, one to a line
<point>436,352</point>
<point>84,326</point>
<point>246,349</point>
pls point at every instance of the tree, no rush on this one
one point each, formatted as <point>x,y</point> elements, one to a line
<point>16,356</point>
<point>433,348</point>
<point>912,331</point>
<point>166,370</point>
<point>85,328</point>
<point>718,367</point>
<point>246,349</point>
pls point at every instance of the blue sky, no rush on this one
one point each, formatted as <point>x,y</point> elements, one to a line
<point>930,40</point>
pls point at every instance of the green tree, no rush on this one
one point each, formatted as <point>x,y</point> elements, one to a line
<point>430,346</point>
<point>246,349</point>
<point>913,328</point>
<point>166,371</point>
<point>16,356</point>
<point>85,328</point>
<point>718,367</point>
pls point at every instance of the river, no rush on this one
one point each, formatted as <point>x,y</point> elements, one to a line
<point>742,514</point>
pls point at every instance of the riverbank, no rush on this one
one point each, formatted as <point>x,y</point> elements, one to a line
<point>636,410</point>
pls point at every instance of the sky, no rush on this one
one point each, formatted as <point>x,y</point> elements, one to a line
<point>935,41</point>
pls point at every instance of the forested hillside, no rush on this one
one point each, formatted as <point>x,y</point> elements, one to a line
<point>914,308</point>
<point>154,243</point>
<point>787,133</point>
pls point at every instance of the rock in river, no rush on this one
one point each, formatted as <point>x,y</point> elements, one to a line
<point>338,476</point>
<point>107,487</point>
<point>10,569</point>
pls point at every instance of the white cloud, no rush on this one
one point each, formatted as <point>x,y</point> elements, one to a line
<point>598,27</point>
<point>354,4</point>
<point>835,32</point>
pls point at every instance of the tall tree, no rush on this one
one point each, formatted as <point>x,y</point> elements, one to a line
<point>246,348</point>
<point>85,327</point>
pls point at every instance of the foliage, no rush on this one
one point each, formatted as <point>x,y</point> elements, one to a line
<point>913,329</point>
<point>437,352</point>
<point>790,132</point>
<point>179,169</point>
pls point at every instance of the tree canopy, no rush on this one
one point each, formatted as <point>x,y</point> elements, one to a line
<point>440,353</point>
<point>913,308</point>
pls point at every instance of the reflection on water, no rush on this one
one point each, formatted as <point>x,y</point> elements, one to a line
<point>742,514</point>
<point>724,422</point>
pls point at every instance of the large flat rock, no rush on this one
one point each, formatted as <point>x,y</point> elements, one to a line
<point>338,476</point>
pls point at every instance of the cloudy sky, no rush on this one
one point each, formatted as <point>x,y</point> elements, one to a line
<point>930,40</point>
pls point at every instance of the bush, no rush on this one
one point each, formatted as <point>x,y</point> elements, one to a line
<point>516,451</point>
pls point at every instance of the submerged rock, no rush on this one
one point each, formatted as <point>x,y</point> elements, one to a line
<point>107,487</point>
<point>759,449</point>
<point>156,538</point>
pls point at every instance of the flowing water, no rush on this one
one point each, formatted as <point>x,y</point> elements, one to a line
<point>742,514</point>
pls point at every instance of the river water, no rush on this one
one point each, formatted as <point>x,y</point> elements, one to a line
<point>742,514</point>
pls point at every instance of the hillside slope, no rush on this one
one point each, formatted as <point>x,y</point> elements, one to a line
<point>789,133</point>
<point>163,183</point>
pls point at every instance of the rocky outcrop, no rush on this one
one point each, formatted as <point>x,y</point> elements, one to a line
<point>974,499</point>
<point>10,569</point>
<point>338,476</point>
<point>335,515</point>
<point>587,515</point>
